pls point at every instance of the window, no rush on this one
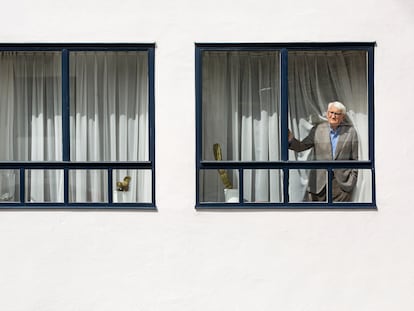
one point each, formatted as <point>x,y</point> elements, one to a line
<point>77,126</point>
<point>264,128</point>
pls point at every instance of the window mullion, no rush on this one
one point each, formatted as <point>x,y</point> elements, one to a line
<point>22,185</point>
<point>65,122</point>
<point>241,185</point>
<point>151,82</point>
<point>198,111</point>
<point>65,106</point>
<point>110,196</point>
<point>284,104</point>
<point>284,120</point>
<point>329,184</point>
<point>371,102</point>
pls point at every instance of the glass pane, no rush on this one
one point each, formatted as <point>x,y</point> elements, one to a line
<point>88,186</point>
<point>219,186</point>
<point>263,186</point>
<point>362,192</point>
<point>316,79</point>
<point>44,186</point>
<point>308,185</point>
<point>30,106</point>
<point>109,106</point>
<point>9,186</point>
<point>348,185</point>
<point>240,105</point>
<point>132,186</point>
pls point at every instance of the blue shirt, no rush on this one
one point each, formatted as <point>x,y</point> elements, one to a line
<point>334,139</point>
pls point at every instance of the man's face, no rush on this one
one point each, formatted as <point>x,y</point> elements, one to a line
<point>335,116</point>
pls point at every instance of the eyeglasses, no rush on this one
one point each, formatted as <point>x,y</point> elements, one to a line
<point>336,114</point>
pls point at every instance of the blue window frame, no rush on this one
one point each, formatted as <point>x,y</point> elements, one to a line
<point>77,126</point>
<point>262,125</point>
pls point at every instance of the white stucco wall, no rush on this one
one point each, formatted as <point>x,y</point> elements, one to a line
<point>181,259</point>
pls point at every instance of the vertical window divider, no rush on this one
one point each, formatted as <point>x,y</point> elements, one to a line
<point>370,82</point>
<point>241,186</point>
<point>284,103</point>
<point>65,122</point>
<point>22,186</point>
<point>285,185</point>
<point>198,111</point>
<point>151,120</point>
<point>329,186</point>
<point>284,119</point>
<point>65,106</point>
<point>373,186</point>
<point>66,185</point>
<point>371,125</point>
<point>110,196</point>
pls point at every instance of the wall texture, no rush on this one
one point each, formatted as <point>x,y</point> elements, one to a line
<point>181,259</point>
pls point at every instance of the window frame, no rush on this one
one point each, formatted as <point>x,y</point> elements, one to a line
<point>284,164</point>
<point>66,164</point>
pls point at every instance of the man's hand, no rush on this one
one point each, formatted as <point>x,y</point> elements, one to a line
<point>290,136</point>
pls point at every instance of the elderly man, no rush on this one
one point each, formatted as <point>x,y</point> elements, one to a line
<point>335,139</point>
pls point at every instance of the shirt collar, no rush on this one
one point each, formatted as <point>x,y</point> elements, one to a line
<point>334,131</point>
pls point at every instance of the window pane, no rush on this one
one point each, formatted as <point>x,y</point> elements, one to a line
<point>363,189</point>
<point>9,186</point>
<point>348,185</point>
<point>109,106</point>
<point>308,185</point>
<point>44,186</point>
<point>132,186</point>
<point>263,185</point>
<point>240,105</point>
<point>30,106</point>
<point>88,186</point>
<point>219,186</point>
<point>317,78</point>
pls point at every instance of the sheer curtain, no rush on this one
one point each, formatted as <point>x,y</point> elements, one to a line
<point>315,79</point>
<point>30,121</point>
<point>109,122</point>
<point>241,113</point>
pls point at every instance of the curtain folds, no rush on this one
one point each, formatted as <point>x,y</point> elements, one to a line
<point>30,119</point>
<point>315,79</point>
<point>241,112</point>
<point>108,121</point>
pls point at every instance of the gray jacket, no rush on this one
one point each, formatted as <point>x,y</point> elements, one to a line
<point>346,149</point>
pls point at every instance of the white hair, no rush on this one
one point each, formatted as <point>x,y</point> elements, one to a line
<point>338,105</point>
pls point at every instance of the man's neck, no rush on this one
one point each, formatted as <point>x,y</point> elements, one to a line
<point>334,128</point>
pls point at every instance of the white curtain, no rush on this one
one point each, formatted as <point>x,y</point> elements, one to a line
<point>109,122</point>
<point>315,79</point>
<point>241,113</point>
<point>30,120</point>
